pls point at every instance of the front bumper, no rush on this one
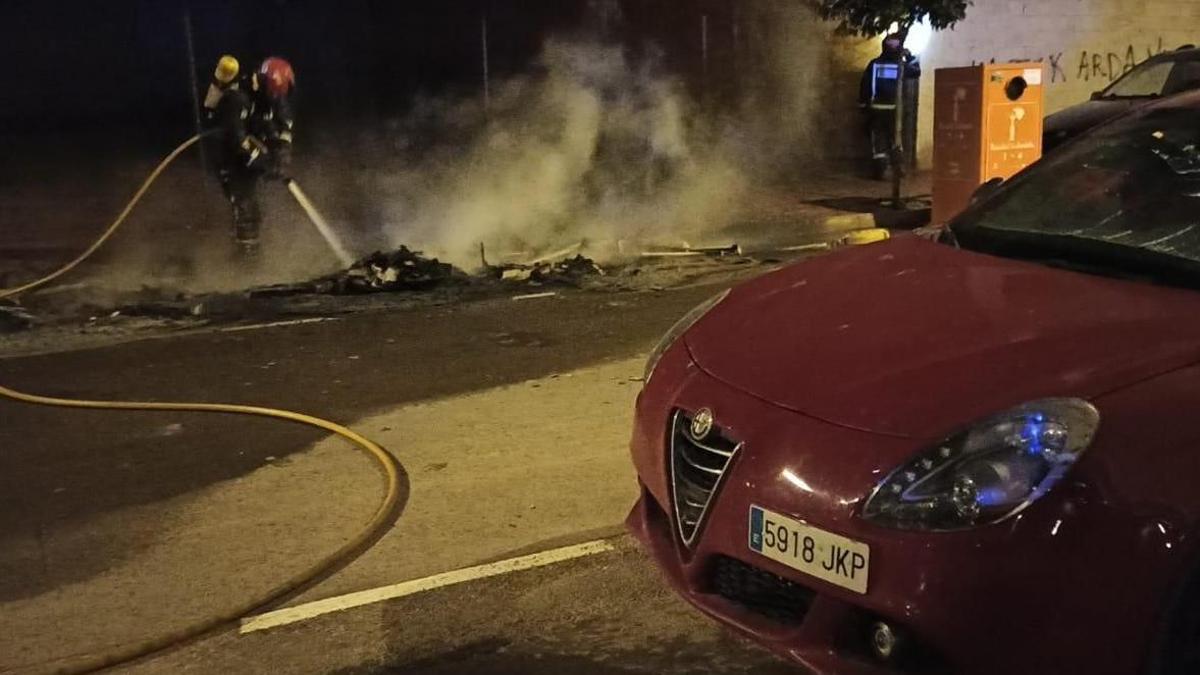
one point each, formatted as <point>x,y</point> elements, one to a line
<point>828,623</point>
<point>1022,596</point>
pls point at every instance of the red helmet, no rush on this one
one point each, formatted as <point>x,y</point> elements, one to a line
<point>277,76</point>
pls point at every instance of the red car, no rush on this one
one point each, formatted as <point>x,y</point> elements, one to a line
<point>976,455</point>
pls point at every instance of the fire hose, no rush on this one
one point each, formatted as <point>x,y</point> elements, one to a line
<point>369,533</point>
<point>302,199</point>
<point>87,253</point>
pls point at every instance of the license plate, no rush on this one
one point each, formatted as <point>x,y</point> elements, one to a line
<point>802,547</point>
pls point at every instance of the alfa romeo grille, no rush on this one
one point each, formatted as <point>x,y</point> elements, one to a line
<point>760,591</point>
<point>697,465</point>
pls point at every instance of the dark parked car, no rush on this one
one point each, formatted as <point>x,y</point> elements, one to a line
<point>1162,75</point>
<point>979,455</point>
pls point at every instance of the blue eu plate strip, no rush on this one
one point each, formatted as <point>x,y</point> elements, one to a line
<point>756,528</point>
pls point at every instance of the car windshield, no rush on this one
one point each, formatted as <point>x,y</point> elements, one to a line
<point>1156,78</point>
<point>1125,197</point>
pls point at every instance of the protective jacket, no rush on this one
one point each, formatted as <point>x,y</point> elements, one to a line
<point>235,115</point>
<point>877,88</point>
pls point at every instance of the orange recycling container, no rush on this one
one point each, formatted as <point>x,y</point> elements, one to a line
<point>987,123</point>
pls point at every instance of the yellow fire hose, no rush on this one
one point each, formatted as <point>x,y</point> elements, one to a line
<point>137,197</point>
<point>378,523</point>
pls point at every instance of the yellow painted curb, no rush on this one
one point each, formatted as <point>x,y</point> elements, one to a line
<point>871,236</point>
<point>848,222</point>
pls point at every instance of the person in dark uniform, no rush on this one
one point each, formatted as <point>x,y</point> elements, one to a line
<point>254,116</point>
<point>273,120</point>
<point>877,97</point>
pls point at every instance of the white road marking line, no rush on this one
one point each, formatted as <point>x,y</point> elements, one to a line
<point>290,615</point>
<point>535,296</point>
<point>276,324</point>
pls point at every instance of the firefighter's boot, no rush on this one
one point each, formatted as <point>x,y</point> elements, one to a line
<point>246,225</point>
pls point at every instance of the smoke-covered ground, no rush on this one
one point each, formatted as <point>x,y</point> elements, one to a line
<point>599,140</point>
<point>587,145</point>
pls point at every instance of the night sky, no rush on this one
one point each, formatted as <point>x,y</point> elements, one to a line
<point>123,64</point>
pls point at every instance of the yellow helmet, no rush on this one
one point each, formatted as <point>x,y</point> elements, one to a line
<point>227,69</point>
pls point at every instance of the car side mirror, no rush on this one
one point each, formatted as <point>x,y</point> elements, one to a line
<point>986,190</point>
<point>1097,95</point>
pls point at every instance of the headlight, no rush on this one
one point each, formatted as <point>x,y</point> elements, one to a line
<point>680,328</point>
<point>988,473</point>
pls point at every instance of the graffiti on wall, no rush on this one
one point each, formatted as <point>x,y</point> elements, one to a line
<point>1111,65</point>
<point>1101,66</point>
<point>1055,71</point>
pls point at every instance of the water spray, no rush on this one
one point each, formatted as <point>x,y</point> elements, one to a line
<point>320,223</point>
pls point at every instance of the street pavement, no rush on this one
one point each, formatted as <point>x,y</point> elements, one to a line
<point>509,418</point>
<point>607,614</point>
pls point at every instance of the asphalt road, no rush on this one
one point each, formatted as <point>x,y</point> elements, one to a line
<point>87,486</point>
<point>63,466</point>
<point>602,615</point>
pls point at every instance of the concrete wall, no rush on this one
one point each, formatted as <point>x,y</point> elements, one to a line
<point>1084,44</point>
<point>799,84</point>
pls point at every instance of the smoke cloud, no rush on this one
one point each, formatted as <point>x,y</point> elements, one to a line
<point>597,145</point>
<point>591,147</point>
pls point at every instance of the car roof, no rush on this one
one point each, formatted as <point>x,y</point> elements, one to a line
<point>1181,54</point>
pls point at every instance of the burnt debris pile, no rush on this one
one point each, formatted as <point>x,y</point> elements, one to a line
<point>381,272</point>
<point>14,318</point>
<point>569,271</point>
<point>401,270</point>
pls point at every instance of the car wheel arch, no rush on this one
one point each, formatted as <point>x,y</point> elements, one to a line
<point>1178,622</point>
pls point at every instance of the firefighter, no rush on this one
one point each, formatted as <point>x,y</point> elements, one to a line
<point>254,117</point>
<point>272,119</point>
<point>877,98</point>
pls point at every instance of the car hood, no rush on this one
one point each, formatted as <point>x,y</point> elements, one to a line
<point>913,338</point>
<point>1084,116</point>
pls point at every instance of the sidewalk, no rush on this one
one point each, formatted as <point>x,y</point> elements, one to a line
<point>823,206</point>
